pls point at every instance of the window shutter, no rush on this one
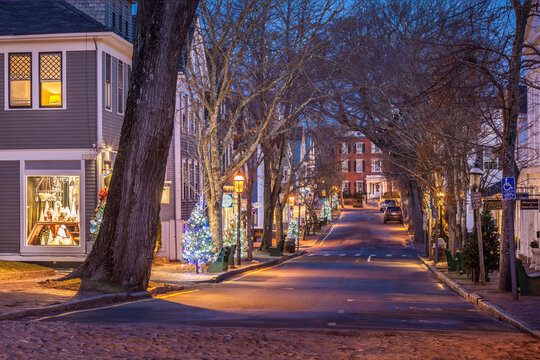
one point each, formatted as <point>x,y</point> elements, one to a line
<point>348,148</point>
<point>363,148</point>
<point>349,165</point>
<point>363,166</point>
<point>354,148</point>
<point>354,166</point>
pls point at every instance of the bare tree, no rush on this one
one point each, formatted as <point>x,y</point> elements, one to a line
<point>124,248</point>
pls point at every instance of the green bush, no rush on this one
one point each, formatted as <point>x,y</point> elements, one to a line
<point>490,239</point>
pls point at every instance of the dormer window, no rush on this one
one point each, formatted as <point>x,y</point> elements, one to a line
<point>50,79</point>
<point>20,80</point>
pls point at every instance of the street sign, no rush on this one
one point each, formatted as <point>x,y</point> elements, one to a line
<point>476,200</point>
<point>227,201</point>
<point>257,205</point>
<point>508,186</point>
<point>529,204</point>
<point>493,205</point>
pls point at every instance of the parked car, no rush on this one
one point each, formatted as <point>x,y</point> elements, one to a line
<point>387,203</point>
<point>393,213</point>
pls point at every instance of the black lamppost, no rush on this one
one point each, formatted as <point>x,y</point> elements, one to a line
<point>475,177</point>
<point>238,187</point>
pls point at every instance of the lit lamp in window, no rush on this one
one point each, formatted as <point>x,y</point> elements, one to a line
<point>238,187</point>
<point>55,99</point>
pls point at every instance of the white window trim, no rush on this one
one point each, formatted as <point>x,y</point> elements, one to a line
<point>118,87</point>
<point>35,80</point>
<point>373,161</point>
<point>45,249</point>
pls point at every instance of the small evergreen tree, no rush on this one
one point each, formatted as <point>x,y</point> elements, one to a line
<point>230,236</point>
<point>490,239</point>
<point>292,231</point>
<point>326,211</point>
<point>198,243</point>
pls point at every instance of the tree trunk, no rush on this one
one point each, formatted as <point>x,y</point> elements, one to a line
<point>507,278</point>
<point>215,219</point>
<point>268,215</point>
<point>252,173</point>
<point>415,199</point>
<point>125,243</point>
<point>278,211</point>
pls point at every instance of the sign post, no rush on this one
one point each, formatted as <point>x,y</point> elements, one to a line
<point>508,187</point>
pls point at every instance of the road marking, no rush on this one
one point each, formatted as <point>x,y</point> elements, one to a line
<point>357,254</point>
<point>342,254</point>
<point>404,255</point>
<point>331,324</point>
<point>341,311</point>
<point>175,294</point>
<point>388,255</point>
<point>311,254</point>
<point>369,258</point>
<point>326,254</point>
<point>350,300</point>
<point>331,229</point>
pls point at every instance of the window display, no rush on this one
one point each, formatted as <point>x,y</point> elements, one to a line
<point>53,205</point>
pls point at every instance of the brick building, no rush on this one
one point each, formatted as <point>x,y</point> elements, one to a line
<point>361,166</point>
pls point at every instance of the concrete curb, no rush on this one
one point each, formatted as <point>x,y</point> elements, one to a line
<point>93,301</point>
<point>482,303</point>
<point>28,274</point>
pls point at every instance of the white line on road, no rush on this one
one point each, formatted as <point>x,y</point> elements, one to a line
<point>357,254</point>
<point>388,255</point>
<point>404,255</point>
<point>369,258</point>
<point>341,311</point>
<point>311,254</point>
<point>342,254</point>
<point>331,324</point>
<point>326,255</point>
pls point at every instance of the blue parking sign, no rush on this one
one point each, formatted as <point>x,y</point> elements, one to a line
<point>508,186</point>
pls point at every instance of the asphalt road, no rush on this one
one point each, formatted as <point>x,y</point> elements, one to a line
<point>362,276</point>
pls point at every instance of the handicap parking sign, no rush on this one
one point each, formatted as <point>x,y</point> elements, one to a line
<point>508,186</point>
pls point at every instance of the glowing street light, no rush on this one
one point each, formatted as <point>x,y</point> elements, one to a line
<point>238,187</point>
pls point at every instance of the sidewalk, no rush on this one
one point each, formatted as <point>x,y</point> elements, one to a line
<point>177,273</point>
<point>28,296</point>
<point>524,313</point>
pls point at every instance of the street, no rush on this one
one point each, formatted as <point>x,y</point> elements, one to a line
<point>362,278</point>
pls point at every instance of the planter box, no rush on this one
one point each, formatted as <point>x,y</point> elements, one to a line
<point>535,262</point>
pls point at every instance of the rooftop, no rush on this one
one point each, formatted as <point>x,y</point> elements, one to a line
<point>24,17</point>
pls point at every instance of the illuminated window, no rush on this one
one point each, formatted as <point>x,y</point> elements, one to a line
<point>53,210</point>
<point>20,80</point>
<point>108,94</point>
<point>50,79</point>
<point>120,87</point>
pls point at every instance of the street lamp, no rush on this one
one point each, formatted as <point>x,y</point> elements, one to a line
<point>475,177</point>
<point>238,187</point>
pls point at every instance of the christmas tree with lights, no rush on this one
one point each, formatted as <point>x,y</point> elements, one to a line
<point>292,231</point>
<point>229,238</point>
<point>198,243</point>
<point>335,203</point>
<point>326,211</point>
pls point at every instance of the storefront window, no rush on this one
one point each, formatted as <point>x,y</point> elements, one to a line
<point>53,205</point>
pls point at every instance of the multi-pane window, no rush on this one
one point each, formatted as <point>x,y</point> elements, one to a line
<point>359,186</point>
<point>345,164</point>
<point>50,79</point>
<point>360,165</point>
<point>108,86</point>
<point>120,87</point>
<point>376,166</point>
<point>345,187</point>
<point>20,80</point>
<point>184,179</point>
<point>360,148</point>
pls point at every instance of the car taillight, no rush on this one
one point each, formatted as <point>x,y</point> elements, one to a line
<point>399,212</point>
